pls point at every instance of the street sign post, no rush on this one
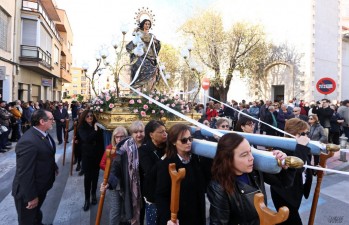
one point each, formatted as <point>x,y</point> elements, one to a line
<point>326,85</point>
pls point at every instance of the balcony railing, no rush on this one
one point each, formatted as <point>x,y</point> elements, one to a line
<point>37,7</point>
<point>35,53</point>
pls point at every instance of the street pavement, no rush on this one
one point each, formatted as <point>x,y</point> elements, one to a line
<point>63,205</point>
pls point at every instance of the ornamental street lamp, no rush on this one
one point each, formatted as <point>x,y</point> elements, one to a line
<point>102,56</point>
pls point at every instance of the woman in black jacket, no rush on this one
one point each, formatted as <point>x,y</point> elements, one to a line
<point>234,182</point>
<point>193,186</point>
<point>92,148</point>
<point>149,154</point>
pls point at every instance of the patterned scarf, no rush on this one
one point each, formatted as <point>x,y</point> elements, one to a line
<point>133,171</point>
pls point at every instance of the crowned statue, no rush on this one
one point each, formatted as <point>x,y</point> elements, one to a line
<point>144,50</point>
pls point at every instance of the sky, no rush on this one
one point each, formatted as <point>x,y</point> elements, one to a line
<point>95,23</point>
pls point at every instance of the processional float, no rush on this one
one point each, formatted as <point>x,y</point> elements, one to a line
<point>263,161</point>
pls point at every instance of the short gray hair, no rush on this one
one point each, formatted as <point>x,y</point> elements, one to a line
<point>136,126</point>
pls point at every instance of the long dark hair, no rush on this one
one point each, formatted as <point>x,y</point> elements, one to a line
<point>223,162</point>
<point>82,121</point>
<point>174,132</point>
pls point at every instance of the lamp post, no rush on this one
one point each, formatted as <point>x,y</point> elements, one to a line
<point>194,67</point>
<point>102,57</point>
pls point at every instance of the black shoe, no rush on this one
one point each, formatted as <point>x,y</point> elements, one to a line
<point>86,206</point>
<point>2,151</point>
<point>94,199</point>
<point>59,143</point>
<point>78,167</point>
<point>67,141</point>
<point>7,147</point>
<point>81,173</point>
<point>9,144</point>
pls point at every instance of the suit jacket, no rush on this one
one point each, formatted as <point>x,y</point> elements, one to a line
<point>58,115</point>
<point>35,165</point>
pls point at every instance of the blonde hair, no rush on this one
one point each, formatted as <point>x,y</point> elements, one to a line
<point>117,130</point>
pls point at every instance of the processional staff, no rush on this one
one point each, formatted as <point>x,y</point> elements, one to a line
<point>176,178</point>
<point>266,215</point>
<point>320,174</point>
<point>73,149</point>
<point>105,182</point>
<point>65,138</point>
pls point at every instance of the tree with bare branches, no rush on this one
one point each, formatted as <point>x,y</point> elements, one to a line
<point>224,52</point>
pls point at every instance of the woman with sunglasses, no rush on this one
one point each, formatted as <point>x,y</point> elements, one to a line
<point>234,182</point>
<point>316,133</point>
<point>193,186</point>
<point>125,169</point>
<point>150,153</point>
<point>92,147</point>
<point>118,135</point>
<point>291,195</point>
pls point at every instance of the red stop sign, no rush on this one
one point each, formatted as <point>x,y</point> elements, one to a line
<point>205,83</point>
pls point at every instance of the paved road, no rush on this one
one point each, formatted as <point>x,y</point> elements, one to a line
<point>64,202</point>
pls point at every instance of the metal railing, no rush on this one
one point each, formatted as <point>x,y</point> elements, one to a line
<point>37,54</point>
<point>37,7</point>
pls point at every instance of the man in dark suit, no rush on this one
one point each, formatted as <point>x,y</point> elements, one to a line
<point>60,115</point>
<point>297,114</point>
<point>36,168</point>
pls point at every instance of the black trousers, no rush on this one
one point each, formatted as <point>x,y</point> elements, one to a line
<point>90,167</point>
<point>294,217</point>
<point>29,216</point>
<point>60,127</point>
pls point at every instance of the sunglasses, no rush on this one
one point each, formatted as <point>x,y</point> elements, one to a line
<point>89,115</point>
<point>225,126</point>
<point>185,140</point>
<point>304,133</point>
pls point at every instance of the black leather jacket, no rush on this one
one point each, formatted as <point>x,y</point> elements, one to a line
<point>237,208</point>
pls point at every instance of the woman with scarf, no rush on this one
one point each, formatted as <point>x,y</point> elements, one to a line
<point>125,170</point>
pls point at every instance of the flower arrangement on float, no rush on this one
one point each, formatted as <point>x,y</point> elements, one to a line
<point>143,107</point>
<point>105,101</point>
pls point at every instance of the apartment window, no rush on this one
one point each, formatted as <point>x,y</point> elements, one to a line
<point>29,32</point>
<point>4,30</point>
<point>83,78</point>
<point>75,85</point>
<point>45,40</point>
<point>83,92</point>
<point>56,55</point>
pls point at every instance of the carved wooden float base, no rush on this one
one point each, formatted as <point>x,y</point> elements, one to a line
<point>122,117</point>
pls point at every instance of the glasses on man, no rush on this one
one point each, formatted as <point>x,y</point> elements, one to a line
<point>52,119</point>
<point>224,126</point>
<point>185,140</point>
<point>250,124</point>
